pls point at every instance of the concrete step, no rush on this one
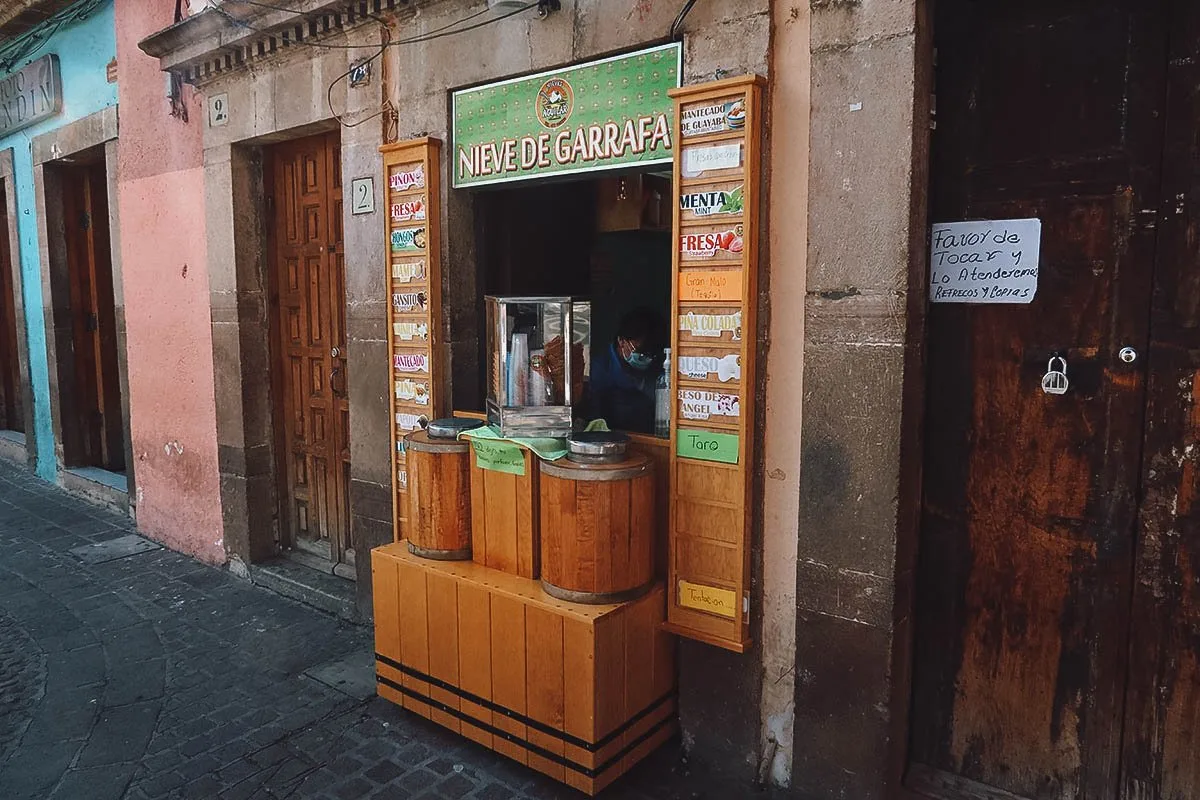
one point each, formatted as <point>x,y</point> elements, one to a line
<point>309,586</point>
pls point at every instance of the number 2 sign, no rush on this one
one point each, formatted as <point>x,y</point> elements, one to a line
<point>363,192</point>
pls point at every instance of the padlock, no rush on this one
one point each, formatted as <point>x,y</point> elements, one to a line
<point>1055,380</point>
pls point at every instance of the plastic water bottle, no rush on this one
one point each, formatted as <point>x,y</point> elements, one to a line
<point>662,399</point>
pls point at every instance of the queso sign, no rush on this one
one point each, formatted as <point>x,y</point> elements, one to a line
<point>600,115</point>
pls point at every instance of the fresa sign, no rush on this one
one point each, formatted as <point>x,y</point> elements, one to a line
<point>601,115</point>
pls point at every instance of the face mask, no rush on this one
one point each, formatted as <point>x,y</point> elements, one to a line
<point>639,361</point>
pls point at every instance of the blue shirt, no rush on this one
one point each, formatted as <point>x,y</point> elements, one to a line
<point>622,396</point>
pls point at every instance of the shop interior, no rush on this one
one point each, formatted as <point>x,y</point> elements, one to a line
<point>606,243</point>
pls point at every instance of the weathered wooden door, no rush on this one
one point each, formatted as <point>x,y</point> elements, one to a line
<point>93,423</point>
<point>12,415</point>
<point>310,291</point>
<point>1058,624</point>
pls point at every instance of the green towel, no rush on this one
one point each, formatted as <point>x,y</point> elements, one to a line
<point>545,447</point>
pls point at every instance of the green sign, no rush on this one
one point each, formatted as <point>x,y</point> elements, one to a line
<point>706,445</point>
<point>600,115</point>
<point>499,456</point>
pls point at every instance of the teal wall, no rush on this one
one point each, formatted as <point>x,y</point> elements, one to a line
<point>84,50</point>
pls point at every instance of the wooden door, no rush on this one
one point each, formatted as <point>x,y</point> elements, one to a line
<point>1161,755</point>
<point>93,423</point>
<point>1024,586</point>
<point>310,302</point>
<point>12,415</point>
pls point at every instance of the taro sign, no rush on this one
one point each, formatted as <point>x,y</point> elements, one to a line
<point>30,95</point>
<point>595,116</point>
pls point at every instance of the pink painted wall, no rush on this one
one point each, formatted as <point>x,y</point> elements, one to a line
<point>164,271</point>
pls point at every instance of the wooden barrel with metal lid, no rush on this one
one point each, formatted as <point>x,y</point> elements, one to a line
<point>597,521</point>
<point>439,490</point>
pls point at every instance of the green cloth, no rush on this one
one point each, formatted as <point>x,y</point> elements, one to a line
<point>544,447</point>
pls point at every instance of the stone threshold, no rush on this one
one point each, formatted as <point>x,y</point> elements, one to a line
<point>108,489</point>
<point>321,590</point>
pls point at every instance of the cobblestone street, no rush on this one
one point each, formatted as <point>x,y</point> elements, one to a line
<point>128,670</point>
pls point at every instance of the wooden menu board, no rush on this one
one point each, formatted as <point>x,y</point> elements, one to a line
<point>713,342</point>
<point>414,331</point>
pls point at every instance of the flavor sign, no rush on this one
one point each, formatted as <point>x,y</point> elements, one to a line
<point>600,115</point>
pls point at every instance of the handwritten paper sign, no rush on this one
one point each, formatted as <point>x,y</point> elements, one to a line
<point>707,446</point>
<point>499,457</point>
<point>710,284</point>
<point>985,262</point>
<point>712,599</point>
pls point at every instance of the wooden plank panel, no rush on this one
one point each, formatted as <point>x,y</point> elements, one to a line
<point>528,545</point>
<point>508,670</point>
<point>501,520</point>
<point>414,630</point>
<point>545,684</point>
<point>475,656</point>
<point>611,710</point>
<point>441,593</point>
<point>384,595</point>
<point>579,694</point>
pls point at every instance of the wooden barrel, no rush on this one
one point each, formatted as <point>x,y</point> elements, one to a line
<point>439,497</point>
<point>597,529</point>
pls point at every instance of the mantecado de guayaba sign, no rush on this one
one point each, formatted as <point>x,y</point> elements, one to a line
<point>600,115</point>
<point>30,95</point>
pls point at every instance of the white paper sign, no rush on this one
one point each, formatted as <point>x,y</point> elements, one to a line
<point>985,262</point>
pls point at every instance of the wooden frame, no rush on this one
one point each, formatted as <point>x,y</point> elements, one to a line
<point>414,279</point>
<point>714,299</point>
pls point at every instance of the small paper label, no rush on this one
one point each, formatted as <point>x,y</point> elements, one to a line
<point>727,368</point>
<point>412,210</point>
<point>707,445</point>
<point>712,325</point>
<point>701,405</point>
<point>707,204</point>
<point>402,479</point>
<point>699,160</point>
<point>712,599</point>
<point>410,362</point>
<point>406,179</point>
<point>408,331</point>
<point>712,118</point>
<point>716,285</point>
<point>408,271</point>
<point>407,239</point>
<point>712,243</point>
<point>411,391</point>
<point>409,301</point>
<point>409,422</point>
<point>499,456</point>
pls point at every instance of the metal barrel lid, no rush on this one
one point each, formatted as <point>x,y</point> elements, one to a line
<point>596,447</point>
<point>452,427</point>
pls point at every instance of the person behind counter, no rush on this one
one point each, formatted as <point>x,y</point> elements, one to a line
<point>623,378</point>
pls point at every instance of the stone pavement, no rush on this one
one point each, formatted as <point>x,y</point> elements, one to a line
<point>127,670</point>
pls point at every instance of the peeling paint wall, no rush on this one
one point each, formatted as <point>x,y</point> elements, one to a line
<point>164,264</point>
<point>83,49</point>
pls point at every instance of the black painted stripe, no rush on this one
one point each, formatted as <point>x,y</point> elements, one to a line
<point>540,727</point>
<point>587,772</point>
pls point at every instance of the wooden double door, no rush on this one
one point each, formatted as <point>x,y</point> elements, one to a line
<point>1057,636</point>
<point>309,302</point>
<point>12,406</point>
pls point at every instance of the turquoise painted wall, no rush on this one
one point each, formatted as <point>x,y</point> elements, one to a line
<point>84,50</point>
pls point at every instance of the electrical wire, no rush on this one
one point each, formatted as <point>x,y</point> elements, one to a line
<point>683,12</point>
<point>29,43</point>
